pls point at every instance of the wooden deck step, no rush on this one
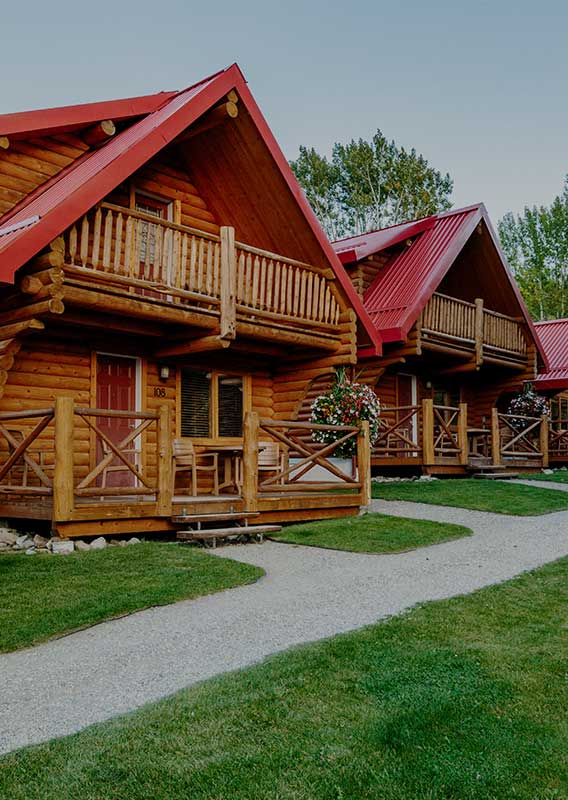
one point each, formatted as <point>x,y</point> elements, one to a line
<point>184,519</point>
<point>210,535</point>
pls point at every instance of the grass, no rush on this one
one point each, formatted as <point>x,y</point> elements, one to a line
<point>558,476</point>
<point>42,596</point>
<point>371,533</point>
<point>479,495</point>
<point>462,699</point>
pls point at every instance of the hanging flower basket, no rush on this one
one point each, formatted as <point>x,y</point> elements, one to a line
<point>345,403</point>
<point>527,404</point>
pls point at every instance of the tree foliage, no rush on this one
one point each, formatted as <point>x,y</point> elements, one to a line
<point>536,245</point>
<point>370,184</point>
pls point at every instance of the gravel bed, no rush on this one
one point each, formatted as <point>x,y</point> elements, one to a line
<point>65,685</point>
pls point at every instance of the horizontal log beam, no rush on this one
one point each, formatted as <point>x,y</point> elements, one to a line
<point>223,113</point>
<point>17,328</point>
<point>201,345</point>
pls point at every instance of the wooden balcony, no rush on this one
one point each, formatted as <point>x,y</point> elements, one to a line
<point>199,278</point>
<point>451,325</point>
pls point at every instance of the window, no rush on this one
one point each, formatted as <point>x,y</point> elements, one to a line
<point>212,404</point>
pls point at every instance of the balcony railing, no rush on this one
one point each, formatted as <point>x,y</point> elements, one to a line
<point>470,326</point>
<point>161,260</point>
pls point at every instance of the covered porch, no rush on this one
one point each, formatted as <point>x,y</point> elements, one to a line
<point>59,464</point>
<point>440,439</point>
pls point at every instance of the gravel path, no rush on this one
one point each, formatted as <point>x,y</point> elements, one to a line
<point>62,686</point>
<point>561,487</point>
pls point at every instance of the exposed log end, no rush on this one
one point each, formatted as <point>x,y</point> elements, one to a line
<point>99,133</point>
<point>233,97</point>
<point>4,143</point>
<point>30,284</point>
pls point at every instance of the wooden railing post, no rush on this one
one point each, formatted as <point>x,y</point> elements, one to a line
<point>228,284</point>
<point>479,331</point>
<point>462,435</point>
<point>544,441</point>
<point>428,431</point>
<point>495,438</point>
<point>364,462</point>
<point>250,461</point>
<point>63,495</point>
<point>165,477</point>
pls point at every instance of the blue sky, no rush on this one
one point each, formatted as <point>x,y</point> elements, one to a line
<point>479,88</point>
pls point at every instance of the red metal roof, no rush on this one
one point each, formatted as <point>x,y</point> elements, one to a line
<point>401,290</point>
<point>553,336</point>
<point>357,248</point>
<point>76,189</point>
<point>44,121</point>
<point>403,287</point>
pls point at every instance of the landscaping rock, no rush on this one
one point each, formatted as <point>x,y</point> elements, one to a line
<point>40,541</point>
<point>7,536</point>
<point>62,547</point>
<point>81,545</point>
<point>99,543</point>
<point>134,540</point>
<point>31,551</point>
<point>23,542</point>
<point>4,546</point>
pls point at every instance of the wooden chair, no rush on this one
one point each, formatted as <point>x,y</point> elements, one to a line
<point>187,460</point>
<point>271,458</point>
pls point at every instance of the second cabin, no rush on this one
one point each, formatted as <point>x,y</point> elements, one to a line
<point>166,297</point>
<point>458,344</point>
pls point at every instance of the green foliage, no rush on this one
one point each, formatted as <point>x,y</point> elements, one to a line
<point>371,533</point>
<point>462,699</point>
<point>499,497</point>
<point>43,596</point>
<point>370,184</point>
<point>536,245</point>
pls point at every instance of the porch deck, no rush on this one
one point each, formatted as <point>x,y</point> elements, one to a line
<point>53,472</point>
<point>440,439</point>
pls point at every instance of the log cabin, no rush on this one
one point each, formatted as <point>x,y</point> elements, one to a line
<point>458,344</point>
<point>166,295</point>
<point>553,336</point>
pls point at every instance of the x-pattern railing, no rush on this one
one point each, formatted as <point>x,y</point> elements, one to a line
<point>558,440</point>
<point>292,436</point>
<point>112,451</point>
<point>446,440</point>
<point>520,441</point>
<point>396,432</point>
<point>21,454</point>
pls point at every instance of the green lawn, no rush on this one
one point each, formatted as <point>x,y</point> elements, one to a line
<point>43,596</point>
<point>559,476</point>
<point>458,700</point>
<point>497,496</point>
<point>371,533</point>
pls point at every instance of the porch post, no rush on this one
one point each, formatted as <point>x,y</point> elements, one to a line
<point>462,435</point>
<point>228,284</point>
<point>250,461</point>
<point>495,438</point>
<point>479,331</point>
<point>428,432</point>
<point>544,433</point>
<point>165,478</point>
<point>63,494</point>
<point>364,462</point>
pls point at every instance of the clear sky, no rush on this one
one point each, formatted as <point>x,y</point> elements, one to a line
<point>480,88</point>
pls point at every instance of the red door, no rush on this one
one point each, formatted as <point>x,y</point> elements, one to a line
<point>116,390</point>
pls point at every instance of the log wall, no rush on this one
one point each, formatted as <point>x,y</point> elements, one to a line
<point>28,163</point>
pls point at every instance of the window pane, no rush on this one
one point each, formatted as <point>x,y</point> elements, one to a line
<point>195,403</point>
<point>230,405</point>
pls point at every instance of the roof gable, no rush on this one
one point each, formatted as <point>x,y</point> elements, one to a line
<point>44,214</point>
<point>401,290</point>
